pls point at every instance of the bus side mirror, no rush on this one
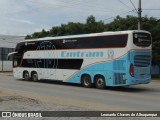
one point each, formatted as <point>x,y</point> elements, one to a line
<point>8,57</point>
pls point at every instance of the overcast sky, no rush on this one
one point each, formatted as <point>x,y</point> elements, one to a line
<point>21,17</point>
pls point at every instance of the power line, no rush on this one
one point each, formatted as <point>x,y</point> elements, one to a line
<point>151,9</point>
<point>134,6</point>
<point>119,15</point>
<point>124,4</point>
<point>75,5</point>
<point>72,5</point>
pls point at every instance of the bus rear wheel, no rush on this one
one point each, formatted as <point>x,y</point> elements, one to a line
<point>86,81</point>
<point>26,75</point>
<point>34,76</point>
<point>100,82</point>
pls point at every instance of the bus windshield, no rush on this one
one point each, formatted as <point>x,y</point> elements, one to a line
<point>17,59</point>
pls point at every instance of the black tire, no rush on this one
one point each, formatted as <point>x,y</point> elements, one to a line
<point>34,76</point>
<point>100,82</point>
<point>26,75</point>
<point>86,81</point>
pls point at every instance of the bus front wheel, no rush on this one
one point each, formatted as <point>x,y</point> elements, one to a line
<point>86,81</point>
<point>34,76</point>
<point>100,82</point>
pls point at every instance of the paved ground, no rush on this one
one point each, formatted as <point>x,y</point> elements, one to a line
<point>48,95</point>
<point>139,97</point>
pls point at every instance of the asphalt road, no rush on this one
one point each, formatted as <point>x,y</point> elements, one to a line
<point>131,98</point>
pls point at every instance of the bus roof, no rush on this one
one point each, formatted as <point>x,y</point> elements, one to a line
<point>84,35</point>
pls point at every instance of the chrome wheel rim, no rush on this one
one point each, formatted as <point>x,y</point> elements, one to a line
<point>86,81</point>
<point>35,76</point>
<point>100,82</point>
<point>26,76</point>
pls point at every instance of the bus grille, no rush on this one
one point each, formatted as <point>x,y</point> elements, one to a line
<point>142,60</point>
<point>119,78</point>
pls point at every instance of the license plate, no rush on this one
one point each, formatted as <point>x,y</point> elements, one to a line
<point>141,71</point>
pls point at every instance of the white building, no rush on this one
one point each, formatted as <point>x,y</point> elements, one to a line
<point>7,45</point>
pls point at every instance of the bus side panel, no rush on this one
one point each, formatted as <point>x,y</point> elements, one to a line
<point>114,72</point>
<point>18,72</point>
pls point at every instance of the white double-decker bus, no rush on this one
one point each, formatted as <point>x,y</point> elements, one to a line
<point>102,59</point>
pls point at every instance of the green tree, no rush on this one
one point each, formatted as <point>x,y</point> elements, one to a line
<point>44,33</point>
<point>92,26</point>
<point>119,24</point>
<point>28,37</point>
<point>74,28</point>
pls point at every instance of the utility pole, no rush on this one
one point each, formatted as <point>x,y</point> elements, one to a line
<point>139,15</point>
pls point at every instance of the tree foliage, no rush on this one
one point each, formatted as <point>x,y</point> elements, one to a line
<point>92,26</point>
<point>119,23</point>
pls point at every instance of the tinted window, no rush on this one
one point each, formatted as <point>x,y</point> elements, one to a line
<point>20,46</point>
<point>76,43</point>
<point>142,39</point>
<point>53,63</point>
<point>96,42</point>
<point>17,59</point>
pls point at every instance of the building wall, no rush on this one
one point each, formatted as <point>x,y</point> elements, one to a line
<point>7,45</point>
<point>5,64</point>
